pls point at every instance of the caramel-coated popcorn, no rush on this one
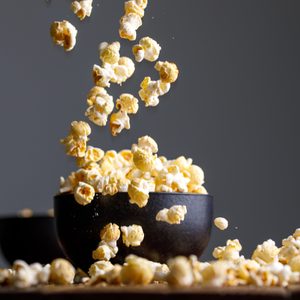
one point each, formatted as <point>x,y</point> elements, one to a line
<point>147,49</point>
<point>173,215</point>
<point>82,8</point>
<point>132,235</point>
<point>168,72</point>
<point>61,272</point>
<point>63,34</point>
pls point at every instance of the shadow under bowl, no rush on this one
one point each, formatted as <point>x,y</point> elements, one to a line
<point>78,226</point>
<point>31,239</point>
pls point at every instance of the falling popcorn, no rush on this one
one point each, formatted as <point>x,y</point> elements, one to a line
<point>147,49</point>
<point>82,8</point>
<point>173,215</point>
<point>221,223</point>
<point>132,235</point>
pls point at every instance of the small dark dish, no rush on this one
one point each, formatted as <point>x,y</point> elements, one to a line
<point>32,239</point>
<point>78,226</point>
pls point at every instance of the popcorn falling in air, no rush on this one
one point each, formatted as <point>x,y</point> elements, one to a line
<point>173,215</point>
<point>147,49</point>
<point>132,235</point>
<point>82,8</point>
<point>221,223</point>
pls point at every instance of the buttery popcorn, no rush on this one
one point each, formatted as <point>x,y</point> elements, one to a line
<point>82,8</point>
<point>266,253</point>
<point>181,272</point>
<point>25,213</point>
<point>84,193</point>
<point>138,191</point>
<point>147,49</point>
<point>61,272</point>
<point>221,223</point>
<point>100,268</point>
<point>110,53</point>
<point>92,154</point>
<point>119,121</point>
<point>127,103</point>
<point>229,252</point>
<point>168,71</point>
<point>63,34</point>
<point>132,235</point>
<point>123,70</point>
<point>173,215</point>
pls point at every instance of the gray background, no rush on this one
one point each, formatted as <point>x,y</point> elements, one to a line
<point>234,109</point>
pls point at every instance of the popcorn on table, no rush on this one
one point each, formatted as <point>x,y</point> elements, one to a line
<point>221,223</point>
<point>132,235</point>
<point>63,34</point>
<point>147,49</point>
<point>173,215</point>
<point>82,8</point>
<point>61,272</point>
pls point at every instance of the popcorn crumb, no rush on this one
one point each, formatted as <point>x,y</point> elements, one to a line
<point>221,223</point>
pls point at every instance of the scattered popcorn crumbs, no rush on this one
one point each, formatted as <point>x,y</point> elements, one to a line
<point>168,71</point>
<point>63,34</point>
<point>147,49</point>
<point>173,215</point>
<point>61,272</point>
<point>132,19</point>
<point>25,213</point>
<point>82,8</point>
<point>132,235</point>
<point>221,223</point>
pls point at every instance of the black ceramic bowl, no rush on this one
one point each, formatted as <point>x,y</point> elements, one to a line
<point>31,239</point>
<point>78,226</point>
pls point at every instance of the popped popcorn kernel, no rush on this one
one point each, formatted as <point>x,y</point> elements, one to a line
<point>132,235</point>
<point>110,53</point>
<point>173,215</point>
<point>138,191</point>
<point>100,268</point>
<point>105,251</point>
<point>144,159</point>
<point>147,49</point>
<point>127,103</point>
<point>110,232</point>
<point>266,253</point>
<point>128,26</point>
<point>229,252</point>
<point>294,263</point>
<point>123,70</point>
<point>168,72</point>
<point>133,7</point>
<point>82,8</point>
<point>118,122</point>
<point>100,105</point>
<point>84,193</point>
<point>147,143</point>
<point>142,3</point>
<point>103,75</point>
<point>151,90</point>
<point>181,273</point>
<point>63,34</point>
<point>61,272</point>
<point>221,223</point>
<point>92,154</point>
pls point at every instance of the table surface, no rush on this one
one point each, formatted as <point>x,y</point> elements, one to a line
<point>153,292</point>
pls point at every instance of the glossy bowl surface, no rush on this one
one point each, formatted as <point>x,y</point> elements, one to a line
<point>78,226</point>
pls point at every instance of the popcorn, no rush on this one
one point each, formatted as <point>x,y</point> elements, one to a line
<point>133,7</point>
<point>61,272</point>
<point>92,154</point>
<point>266,253</point>
<point>173,215</point>
<point>229,252</point>
<point>84,193</point>
<point>147,49</point>
<point>110,53</point>
<point>221,223</point>
<point>138,191</point>
<point>294,263</point>
<point>25,213</point>
<point>143,159</point>
<point>100,105</point>
<point>6,276</point>
<point>63,34</point>
<point>132,235</point>
<point>147,143</point>
<point>168,72</point>
<point>181,273</point>
<point>82,8</point>
<point>118,122</point>
<point>151,90</point>
<point>290,248</point>
<point>110,232</point>
<point>99,268</point>
<point>75,142</point>
<point>123,70</point>
<point>103,75</point>
<point>127,103</point>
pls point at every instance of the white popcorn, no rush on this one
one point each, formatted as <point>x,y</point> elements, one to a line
<point>103,75</point>
<point>266,253</point>
<point>118,122</point>
<point>123,70</point>
<point>84,193</point>
<point>173,215</point>
<point>132,235</point>
<point>99,268</point>
<point>221,223</point>
<point>138,191</point>
<point>129,25</point>
<point>147,49</point>
<point>82,8</point>
<point>105,251</point>
<point>229,252</point>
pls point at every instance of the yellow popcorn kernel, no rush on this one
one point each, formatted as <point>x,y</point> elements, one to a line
<point>128,26</point>
<point>133,7</point>
<point>63,34</point>
<point>92,154</point>
<point>82,8</point>
<point>123,70</point>
<point>132,235</point>
<point>148,143</point>
<point>168,72</point>
<point>144,159</point>
<point>136,271</point>
<point>61,272</point>
<point>84,193</point>
<point>151,90</point>
<point>183,163</point>
<point>266,253</point>
<point>118,122</point>
<point>114,276</point>
<point>127,103</point>
<point>110,53</point>
<point>105,251</point>
<point>230,252</point>
<point>295,263</point>
<point>173,215</point>
<point>221,223</point>
<point>147,49</point>
<point>138,191</point>
<point>103,75</point>
<point>181,273</point>
<point>100,268</point>
<point>110,232</point>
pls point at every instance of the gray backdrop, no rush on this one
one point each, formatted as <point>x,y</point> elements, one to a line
<point>234,108</point>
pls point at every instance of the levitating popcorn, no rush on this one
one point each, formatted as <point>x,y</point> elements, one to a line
<point>127,103</point>
<point>138,191</point>
<point>110,53</point>
<point>84,193</point>
<point>100,105</point>
<point>61,272</point>
<point>181,273</point>
<point>133,7</point>
<point>123,70</point>
<point>92,154</point>
<point>110,232</point>
<point>266,253</point>
<point>75,142</point>
<point>151,90</point>
<point>221,223</point>
<point>132,235</point>
<point>118,122</point>
<point>173,215</point>
<point>168,72</point>
<point>103,75</point>
<point>82,8</point>
<point>63,34</point>
<point>229,252</point>
<point>147,49</point>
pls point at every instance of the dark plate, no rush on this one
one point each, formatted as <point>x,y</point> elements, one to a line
<point>78,226</point>
<point>31,239</point>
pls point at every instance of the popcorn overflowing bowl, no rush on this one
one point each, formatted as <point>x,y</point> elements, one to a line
<point>78,226</point>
